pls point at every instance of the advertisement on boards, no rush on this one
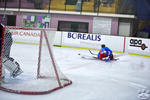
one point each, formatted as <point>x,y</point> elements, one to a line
<point>26,36</point>
<point>84,40</point>
<point>139,45</point>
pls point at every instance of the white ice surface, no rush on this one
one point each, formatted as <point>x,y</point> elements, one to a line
<point>94,79</point>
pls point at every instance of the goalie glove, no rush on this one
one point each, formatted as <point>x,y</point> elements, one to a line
<point>106,59</point>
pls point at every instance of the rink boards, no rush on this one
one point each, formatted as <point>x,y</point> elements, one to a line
<point>119,44</point>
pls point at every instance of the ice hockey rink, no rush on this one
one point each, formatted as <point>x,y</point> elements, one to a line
<point>123,79</point>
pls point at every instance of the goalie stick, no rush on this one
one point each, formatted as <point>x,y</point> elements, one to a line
<point>92,52</point>
<point>87,57</point>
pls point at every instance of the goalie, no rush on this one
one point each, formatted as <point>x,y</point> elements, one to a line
<point>8,62</point>
<point>105,53</point>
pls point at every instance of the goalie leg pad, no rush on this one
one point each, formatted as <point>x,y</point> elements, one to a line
<point>3,72</point>
<point>12,66</point>
<point>3,75</point>
<point>17,72</point>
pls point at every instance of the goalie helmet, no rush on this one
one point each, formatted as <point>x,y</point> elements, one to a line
<point>103,45</point>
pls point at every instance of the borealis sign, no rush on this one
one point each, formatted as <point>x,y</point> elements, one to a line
<point>84,36</point>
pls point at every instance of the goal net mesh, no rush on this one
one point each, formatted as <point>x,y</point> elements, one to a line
<point>32,49</point>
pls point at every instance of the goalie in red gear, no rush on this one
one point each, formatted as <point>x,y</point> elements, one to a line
<point>105,53</point>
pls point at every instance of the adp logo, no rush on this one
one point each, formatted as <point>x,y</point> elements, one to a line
<point>137,43</point>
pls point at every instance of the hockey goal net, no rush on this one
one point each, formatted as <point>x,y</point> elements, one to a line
<point>32,50</point>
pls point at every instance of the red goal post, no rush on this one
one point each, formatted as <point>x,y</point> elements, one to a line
<point>2,29</point>
<point>33,51</point>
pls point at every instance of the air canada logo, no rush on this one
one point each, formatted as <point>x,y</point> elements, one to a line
<point>138,43</point>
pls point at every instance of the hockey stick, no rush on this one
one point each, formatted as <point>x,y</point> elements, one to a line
<point>90,57</point>
<point>92,52</point>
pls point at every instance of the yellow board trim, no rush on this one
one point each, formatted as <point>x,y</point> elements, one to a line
<point>26,43</point>
<point>83,48</point>
<point>138,55</point>
<point>79,48</point>
<point>98,50</point>
<point>88,49</point>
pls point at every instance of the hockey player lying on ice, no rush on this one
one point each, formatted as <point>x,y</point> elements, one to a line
<point>8,62</point>
<point>105,53</point>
